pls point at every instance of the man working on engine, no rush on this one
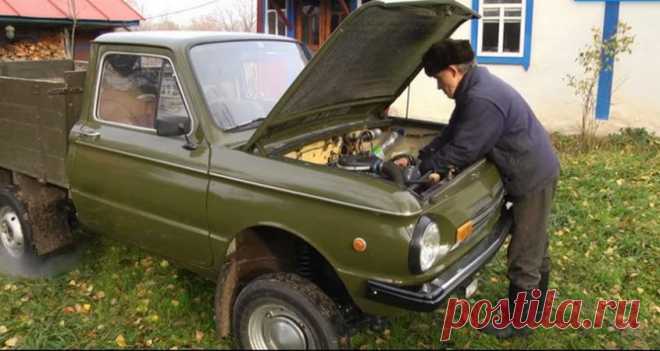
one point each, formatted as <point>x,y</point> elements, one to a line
<point>492,120</point>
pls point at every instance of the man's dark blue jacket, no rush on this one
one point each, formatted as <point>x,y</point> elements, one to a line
<point>492,120</point>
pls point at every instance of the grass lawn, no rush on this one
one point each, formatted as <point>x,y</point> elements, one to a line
<point>605,243</point>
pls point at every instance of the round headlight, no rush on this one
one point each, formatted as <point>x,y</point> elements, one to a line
<point>430,246</point>
<point>425,247</point>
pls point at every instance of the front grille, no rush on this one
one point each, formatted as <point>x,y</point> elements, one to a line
<point>487,210</point>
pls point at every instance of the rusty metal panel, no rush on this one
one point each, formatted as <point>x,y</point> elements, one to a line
<point>47,213</point>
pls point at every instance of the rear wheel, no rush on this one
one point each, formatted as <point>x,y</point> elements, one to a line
<point>285,311</point>
<point>15,228</point>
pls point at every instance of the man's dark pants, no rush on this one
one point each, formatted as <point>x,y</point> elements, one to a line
<point>528,254</point>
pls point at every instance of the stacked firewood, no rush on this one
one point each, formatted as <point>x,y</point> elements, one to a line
<point>48,47</point>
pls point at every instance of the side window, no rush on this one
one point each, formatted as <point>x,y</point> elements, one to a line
<point>136,89</point>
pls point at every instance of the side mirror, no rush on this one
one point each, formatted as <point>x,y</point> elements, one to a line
<point>173,126</point>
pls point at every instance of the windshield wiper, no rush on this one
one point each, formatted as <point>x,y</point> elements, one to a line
<point>245,126</point>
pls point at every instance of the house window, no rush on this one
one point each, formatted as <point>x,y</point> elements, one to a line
<point>275,24</point>
<point>502,30</point>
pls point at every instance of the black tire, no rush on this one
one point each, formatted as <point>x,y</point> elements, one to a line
<point>299,305</point>
<point>15,223</point>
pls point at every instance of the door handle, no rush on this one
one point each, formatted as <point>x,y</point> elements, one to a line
<point>80,132</point>
<point>89,133</point>
<point>86,133</point>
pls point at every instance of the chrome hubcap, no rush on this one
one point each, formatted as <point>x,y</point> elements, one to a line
<point>276,327</point>
<point>11,232</point>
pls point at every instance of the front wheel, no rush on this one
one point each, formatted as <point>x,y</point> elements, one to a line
<point>285,311</point>
<point>15,228</point>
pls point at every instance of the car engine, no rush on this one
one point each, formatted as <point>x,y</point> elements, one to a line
<point>371,151</point>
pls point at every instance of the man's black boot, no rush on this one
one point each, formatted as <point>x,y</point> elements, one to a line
<point>509,331</point>
<point>513,293</point>
<point>543,286</point>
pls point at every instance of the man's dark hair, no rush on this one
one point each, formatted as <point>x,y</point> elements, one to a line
<point>445,53</point>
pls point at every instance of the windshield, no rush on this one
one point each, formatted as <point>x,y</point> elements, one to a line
<point>241,81</point>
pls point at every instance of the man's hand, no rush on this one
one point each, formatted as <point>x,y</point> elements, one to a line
<point>402,162</point>
<point>434,178</point>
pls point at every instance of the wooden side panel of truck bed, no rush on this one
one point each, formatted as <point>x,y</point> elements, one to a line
<point>36,116</point>
<point>52,69</point>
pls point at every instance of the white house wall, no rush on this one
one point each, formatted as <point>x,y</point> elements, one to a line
<point>560,29</point>
<point>636,88</point>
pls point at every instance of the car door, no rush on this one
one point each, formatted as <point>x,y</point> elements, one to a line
<point>130,183</point>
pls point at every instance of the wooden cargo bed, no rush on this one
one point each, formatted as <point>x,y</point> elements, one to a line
<point>39,103</point>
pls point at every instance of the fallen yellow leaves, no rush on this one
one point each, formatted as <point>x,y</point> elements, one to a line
<point>120,341</point>
<point>12,342</point>
<point>153,318</point>
<point>78,308</point>
<point>99,295</point>
<point>611,345</point>
<point>3,329</point>
<point>10,287</point>
<point>82,308</point>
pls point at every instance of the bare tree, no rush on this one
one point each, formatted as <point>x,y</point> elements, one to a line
<point>227,15</point>
<point>208,22</point>
<point>232,16</point>
<point>164,24</point>
<point>70,38</point>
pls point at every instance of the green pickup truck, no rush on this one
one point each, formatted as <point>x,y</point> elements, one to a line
<point>247,161</point>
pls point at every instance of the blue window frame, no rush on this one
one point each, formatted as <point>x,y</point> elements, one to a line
<point>504,33</point>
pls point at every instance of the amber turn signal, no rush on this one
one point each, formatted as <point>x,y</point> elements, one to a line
<point>464,231</point>
<point>359,245</point>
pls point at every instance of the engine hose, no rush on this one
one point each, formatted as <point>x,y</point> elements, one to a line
<point>393,172</point>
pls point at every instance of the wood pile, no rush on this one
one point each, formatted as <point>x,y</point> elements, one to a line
<point>49,47</point>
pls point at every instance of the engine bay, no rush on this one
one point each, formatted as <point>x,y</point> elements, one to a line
<point>374,151</point>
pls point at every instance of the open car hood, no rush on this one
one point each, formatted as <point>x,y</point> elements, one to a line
<point>364,66</point>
